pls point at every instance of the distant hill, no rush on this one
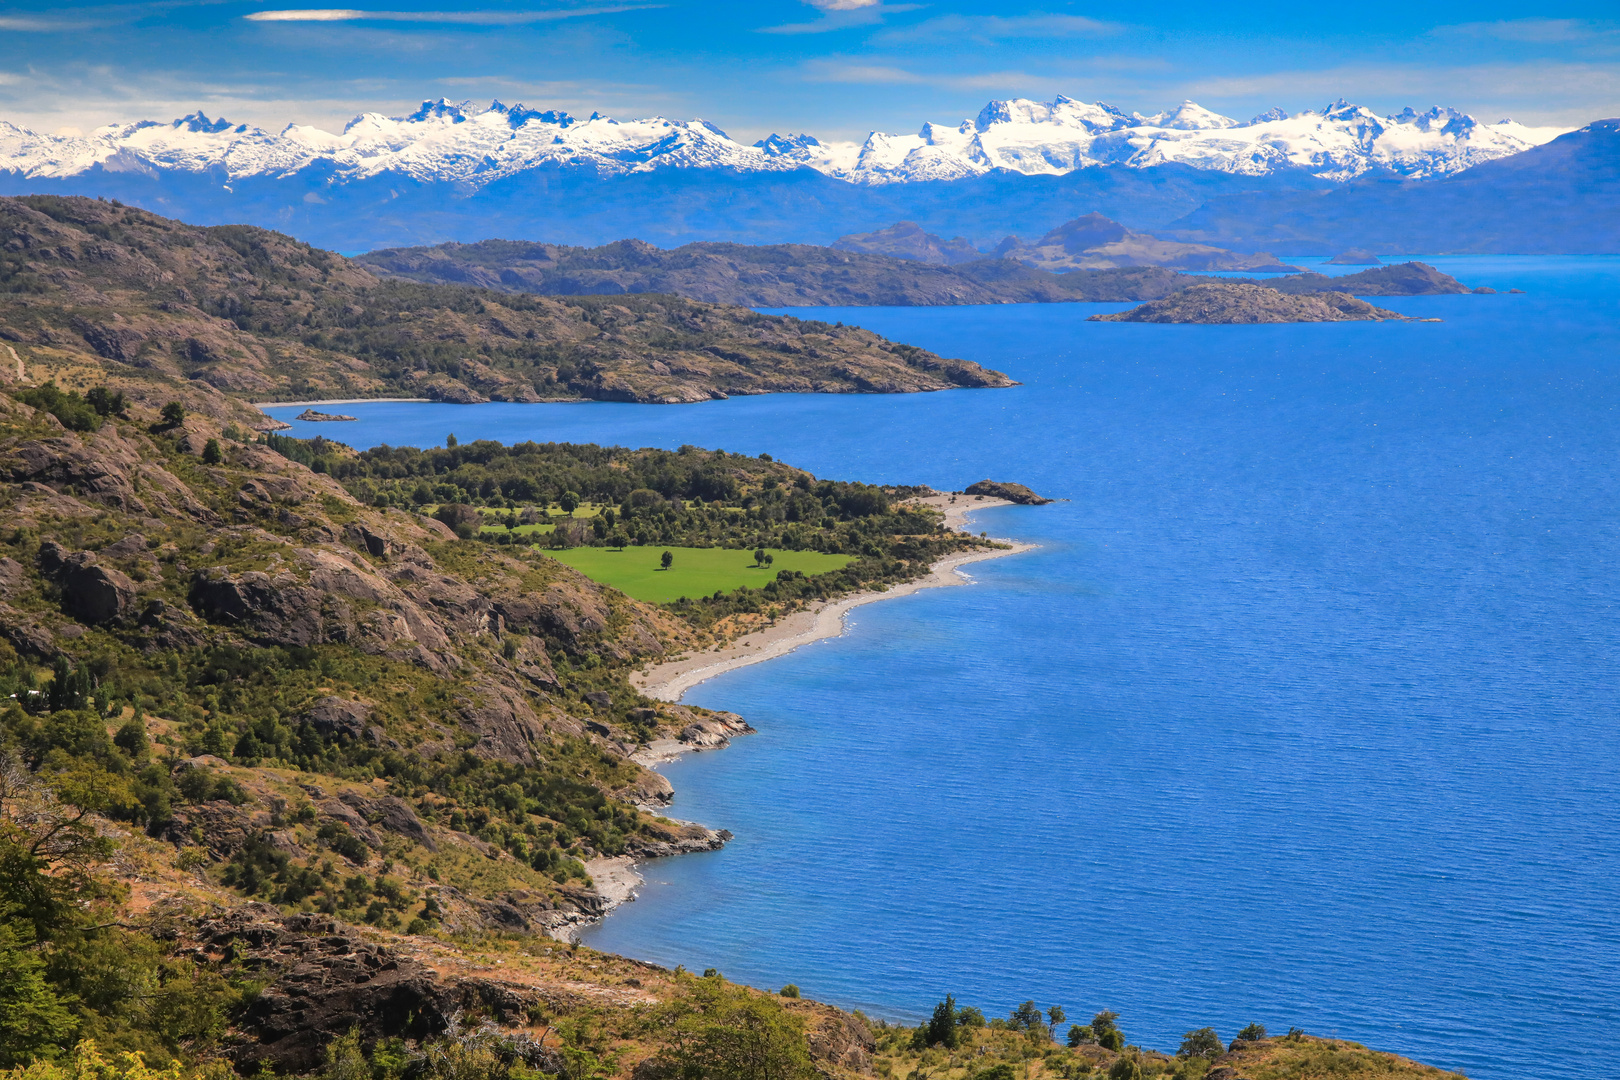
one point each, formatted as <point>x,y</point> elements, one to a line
<point>256,315</point>
<point>1094,242</point>
<point>907,240</point>
<point>793,275</point>
<point>1561,197</point>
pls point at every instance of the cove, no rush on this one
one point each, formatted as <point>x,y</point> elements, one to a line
<point>1304,711</point>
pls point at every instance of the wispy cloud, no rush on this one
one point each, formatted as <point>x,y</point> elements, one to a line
<point>28,25</point>
<point>453,18</point>
<point>989,28</point>
<point>1533,31</point>
<point>846,16</point>
<point>859,73</point>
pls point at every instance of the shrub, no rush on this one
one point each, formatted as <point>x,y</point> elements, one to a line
<point>174,414</point>
<point>212,455</point>
<point>74,412</point>
<point>789,991</point>
<point>1079,1036</point>
<point>1252,1033</point>
<point>1201,1043</point>
<point>1126,1068</point>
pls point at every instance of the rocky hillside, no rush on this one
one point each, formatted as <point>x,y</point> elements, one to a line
<point>857,274</point>
<point>257,315</point>
<point>1228,302</point>
<point>267,749</point>
<point>1093,242</point>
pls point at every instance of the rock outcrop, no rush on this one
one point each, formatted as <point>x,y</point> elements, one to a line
<point>1239,303</point>
<point>1016,493</point>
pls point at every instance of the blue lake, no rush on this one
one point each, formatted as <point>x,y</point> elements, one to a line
<point>1305,711</point>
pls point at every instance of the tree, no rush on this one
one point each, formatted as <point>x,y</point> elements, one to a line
<point>1079,1036</point>
<point>174,414</point>
<point>1252,1033</point>
<point>769,559</point>
<point>1026,1016</point>
<point>450,440</point>
<point>569,502</point>
<point>1126,1068</point>
<point>1055,1015</point>
<point>1201,1043</point>
<point>1106,1031</point>
<point>717,1030</point>
<point>105,402</point>
<point>345,1060</point>
<point>212,454</point>
<point>759,556</point>
<point>667,559</point>
<point>34,1021</point>
<point>942,1025</point>
<point>789,991</point>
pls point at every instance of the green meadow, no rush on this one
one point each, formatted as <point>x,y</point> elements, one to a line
<point>695,571</point>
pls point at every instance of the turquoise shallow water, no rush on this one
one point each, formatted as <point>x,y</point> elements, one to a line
<point>1304,712</point>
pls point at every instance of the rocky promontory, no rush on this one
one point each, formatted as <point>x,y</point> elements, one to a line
<point>1014,493</point>
<point>1223,302</point>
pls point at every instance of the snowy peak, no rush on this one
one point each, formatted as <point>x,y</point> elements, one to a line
<point>1190,116</point>
<point>468,143</point>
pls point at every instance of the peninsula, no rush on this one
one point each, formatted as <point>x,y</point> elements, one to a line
<point>255,315</point>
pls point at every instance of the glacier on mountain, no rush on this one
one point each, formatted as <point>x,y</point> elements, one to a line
<point>462,143</point>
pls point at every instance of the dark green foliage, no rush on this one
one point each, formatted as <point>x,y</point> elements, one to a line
<point>1126,1068</point>
<point>724,1032</point>
<point>1252,1033</point>
<point>789,991</point>
<point>1106,1031</point>
<point>1055,1016</point>
<point>1001,1070</point>
<point>173,414</point>
<point>106,402</point>
<point>75,413</point>
<point>1201,1043</point>
<point>1026,1017</point>
<point>1079,1036</point>
<point>666,560</point>
<point>35,1021</point>
<point>212,455</point>
<point>942,1025</point>
<point>969,1016</point>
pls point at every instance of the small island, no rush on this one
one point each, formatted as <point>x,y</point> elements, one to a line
<point>1355,257</point>
<point>312,415</point>
<point>1229,303</point>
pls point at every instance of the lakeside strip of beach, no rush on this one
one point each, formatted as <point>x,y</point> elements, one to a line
<point>615,877</point>
<point>670,680</point>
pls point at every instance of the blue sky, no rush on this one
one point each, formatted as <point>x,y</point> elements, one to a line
<point>835,68</point>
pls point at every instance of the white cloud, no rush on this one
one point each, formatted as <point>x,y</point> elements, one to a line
<point>454,18</point>
<point>844,5</point>
<point>27,25</point>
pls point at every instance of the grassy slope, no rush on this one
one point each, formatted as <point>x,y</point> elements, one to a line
<point>636,571</point>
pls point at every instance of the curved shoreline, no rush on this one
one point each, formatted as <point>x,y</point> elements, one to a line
<point>616,877</point>
<point>670,680</point>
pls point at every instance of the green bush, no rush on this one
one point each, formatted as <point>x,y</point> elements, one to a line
<point>75,413</point>
<point>1252,1033</point>
<point>789,991</point>
<point>1126,1068</point>
<point>1201,1043</point>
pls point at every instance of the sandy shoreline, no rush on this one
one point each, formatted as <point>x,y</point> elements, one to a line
<point>669,681</point>
<point>615,878</point>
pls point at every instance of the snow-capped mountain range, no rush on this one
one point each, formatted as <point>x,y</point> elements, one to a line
<point>474,145</point>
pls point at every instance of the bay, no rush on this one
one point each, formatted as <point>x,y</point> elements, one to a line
<point>1304,711</point>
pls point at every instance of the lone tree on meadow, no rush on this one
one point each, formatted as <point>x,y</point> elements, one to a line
<point>569,502</point>
<point>667,559</point>
<point>759,556</point>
